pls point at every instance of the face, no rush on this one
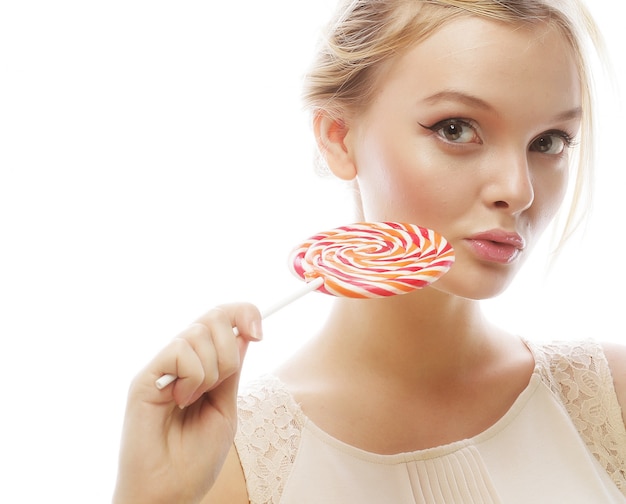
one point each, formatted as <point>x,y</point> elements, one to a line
<point>470,135</point>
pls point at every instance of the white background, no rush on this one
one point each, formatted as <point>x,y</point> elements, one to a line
<point>155,161</point>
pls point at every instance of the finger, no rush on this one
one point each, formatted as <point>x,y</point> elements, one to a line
<point>217,351</point>
<point>190,366</point>
<point>200,339</point>
<point>218,327</point>
<point>216,346</point>
<point>224,397</point>
<point>220,351</point>
<point>231,350</point>
<point>243,316</point>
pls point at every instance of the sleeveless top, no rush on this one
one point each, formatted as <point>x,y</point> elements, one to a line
<point>563,440</point>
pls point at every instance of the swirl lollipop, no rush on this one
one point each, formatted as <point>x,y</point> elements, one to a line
<point>373,259</point>
<point>364,260</point>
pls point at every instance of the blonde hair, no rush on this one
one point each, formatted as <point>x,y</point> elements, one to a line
<point>364,35</point>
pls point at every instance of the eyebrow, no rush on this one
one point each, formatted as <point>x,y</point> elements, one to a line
<point>575,113</point>
<point>474,101</point>
<point>459,97</point>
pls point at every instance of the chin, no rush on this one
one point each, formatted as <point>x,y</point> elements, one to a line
<point>477,286</point>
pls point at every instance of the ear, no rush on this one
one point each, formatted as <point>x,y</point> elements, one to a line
<point>330,134</point>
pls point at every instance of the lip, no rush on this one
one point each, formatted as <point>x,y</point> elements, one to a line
<point>496,245</point>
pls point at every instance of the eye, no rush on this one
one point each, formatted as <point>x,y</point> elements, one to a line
<point>455,131</point>
<point>551,142</point>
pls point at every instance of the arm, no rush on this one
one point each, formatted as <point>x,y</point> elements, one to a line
<point>230,486</point>
<point>616,356</point>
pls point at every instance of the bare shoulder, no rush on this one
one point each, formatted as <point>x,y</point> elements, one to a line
<point>616,356</point>
<point>230,486</point>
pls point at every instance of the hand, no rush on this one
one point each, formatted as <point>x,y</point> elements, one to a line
<point>175,440</point>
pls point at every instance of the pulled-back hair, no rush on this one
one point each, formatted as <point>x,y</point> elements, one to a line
<point>365,35</point>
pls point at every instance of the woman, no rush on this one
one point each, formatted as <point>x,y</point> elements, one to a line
<point>460,116</point>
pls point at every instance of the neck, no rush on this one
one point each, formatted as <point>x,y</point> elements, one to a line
<point>426,335</point>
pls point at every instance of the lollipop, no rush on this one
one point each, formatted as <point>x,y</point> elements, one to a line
<point>373,259</point>
<point>364,260</point>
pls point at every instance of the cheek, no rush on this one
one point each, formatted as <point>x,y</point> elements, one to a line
<point>549,198</point>
<point>403,184</point>
<point>401,194</point>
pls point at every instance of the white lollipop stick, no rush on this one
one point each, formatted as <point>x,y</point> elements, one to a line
<point>166,379</point>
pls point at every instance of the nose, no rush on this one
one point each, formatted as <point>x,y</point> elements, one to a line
<point>510,185</point>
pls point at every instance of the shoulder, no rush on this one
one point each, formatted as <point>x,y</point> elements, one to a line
<point>616,357</point>
<point>598,371</point>
<point>267,400</point>
<point>559,359</point>
<point>269,424</point>
<point>584,372</point>
<point>267,440</point>
<point>266,405</point>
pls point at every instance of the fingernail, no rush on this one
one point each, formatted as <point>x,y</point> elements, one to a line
<point>186,402</point>
<point>256,332</point>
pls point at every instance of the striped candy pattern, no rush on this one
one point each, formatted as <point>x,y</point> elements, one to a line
<point>373,259</point>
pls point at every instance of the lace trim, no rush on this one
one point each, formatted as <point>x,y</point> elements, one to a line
<point>270,421</point>
<point>579,375</point>
<point>268,438</point>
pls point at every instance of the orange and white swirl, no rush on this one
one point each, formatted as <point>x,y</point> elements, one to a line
<point>373,259</point>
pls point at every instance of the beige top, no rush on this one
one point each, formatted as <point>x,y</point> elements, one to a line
<point>563,440</point>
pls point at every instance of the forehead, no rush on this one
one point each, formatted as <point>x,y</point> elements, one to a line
<point>501,63</point>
